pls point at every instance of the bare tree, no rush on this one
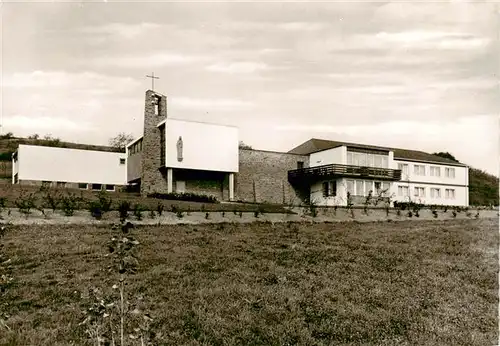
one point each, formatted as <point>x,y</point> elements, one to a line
<point>121,140</point>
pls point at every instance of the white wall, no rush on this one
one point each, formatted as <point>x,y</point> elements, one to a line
<point>461,194</point>
<point>205,146</point>
<point>461,173</point>
<point>330,156</point>
<point>71,165</point>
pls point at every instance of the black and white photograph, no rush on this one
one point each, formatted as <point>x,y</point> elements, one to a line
<point>249,173</point>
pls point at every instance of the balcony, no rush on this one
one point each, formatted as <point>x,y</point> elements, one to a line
<point>313,174</point>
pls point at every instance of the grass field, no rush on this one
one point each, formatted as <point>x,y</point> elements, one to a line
<point>404,283</point>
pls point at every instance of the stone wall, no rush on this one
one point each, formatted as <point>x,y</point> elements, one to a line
<point>263,176</point>
<point>152,179</point>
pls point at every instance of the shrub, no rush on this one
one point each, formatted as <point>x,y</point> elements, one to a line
<point>367,202</point>
<point>192,197</point>
<point>69,203</point>
<point>138,210</point>
<point>152,214</point>
<point>95,209</point>
<point>179,214</point>
<point>25,203</point>
<point>435,214</point>
<point>123,209</point>
<point>159,208</point>
<point>104,201</point>
<point>51,199</point>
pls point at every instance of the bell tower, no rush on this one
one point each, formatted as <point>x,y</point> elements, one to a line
<point>153,178</point>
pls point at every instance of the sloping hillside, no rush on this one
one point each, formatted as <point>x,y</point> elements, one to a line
<point>483,188</point>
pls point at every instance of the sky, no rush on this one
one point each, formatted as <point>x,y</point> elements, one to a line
<point>419,75</point>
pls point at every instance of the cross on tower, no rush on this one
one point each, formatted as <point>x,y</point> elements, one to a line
<point>152,80</point>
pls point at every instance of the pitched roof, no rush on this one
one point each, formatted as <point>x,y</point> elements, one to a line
<point>314,145</point>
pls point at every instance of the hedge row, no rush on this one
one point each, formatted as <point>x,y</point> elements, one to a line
<point>191,197</point>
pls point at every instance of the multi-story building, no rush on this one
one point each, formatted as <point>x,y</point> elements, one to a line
<point>336,168</point>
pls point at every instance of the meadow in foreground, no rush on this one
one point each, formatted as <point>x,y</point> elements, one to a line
<point>381,283</point>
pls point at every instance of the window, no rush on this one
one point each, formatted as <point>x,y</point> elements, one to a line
<point>403,191</point>
<point>435,193</point>
<point>61,184</point>
<point>16,178</point>
<point>378,186</point>
<point>449,172</point>
<point>450,194</point>
<point>404,168</point>
<point>110,188</point>
<point>122,161</point>
<point>349,158</point>
<point>419,169</point>
<point>385,189</point>
<point>359,188</point>
<point>350,186</point>
<point>377,161</point>
<point>83,186</point>
<point>385,162</point>
<point>368,188</point>
<point>96,186</point>
<point>156,102</point>
<point>329,188</point>
<point>162,145</point>
<point>371,160</point>
<point>435,171</point>
<point>419,191</point>
<point>300,164</point>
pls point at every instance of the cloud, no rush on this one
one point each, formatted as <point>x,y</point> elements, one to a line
<point>121,30</point>
<point>432,39</point>
<point>302,26</point>
<point>237,67</point>
<point>44,123</point>
<point>215,104</point>
<point>59,80</point>
<point>148,60</point>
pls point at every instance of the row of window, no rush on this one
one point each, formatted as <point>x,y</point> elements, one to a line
<point>367,160</point>
<point>418,191</point>
<point>83,186</point>
<point>420,170</point>
<point>135,148</point>
<point>357,187</point>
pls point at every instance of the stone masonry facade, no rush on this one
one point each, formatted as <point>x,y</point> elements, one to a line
<point>263,176</point>
<point>152,178</point>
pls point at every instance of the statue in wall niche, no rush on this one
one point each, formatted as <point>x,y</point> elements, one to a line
<point>179,149</point>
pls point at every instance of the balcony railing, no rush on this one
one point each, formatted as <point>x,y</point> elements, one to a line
<point>334,170</point>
